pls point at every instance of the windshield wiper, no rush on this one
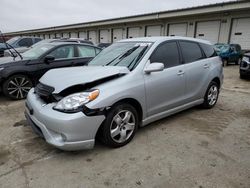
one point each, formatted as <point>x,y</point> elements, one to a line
<point>126,54</point>
<point>138,57</point>
<point>121,57</point>
<point>11,47</point>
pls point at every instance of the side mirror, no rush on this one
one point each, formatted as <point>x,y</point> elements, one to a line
<point>49,59</point>
<point>154,67</point>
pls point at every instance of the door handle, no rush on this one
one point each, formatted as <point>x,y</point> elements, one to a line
<point>180,72</point>
<point>206,66</point>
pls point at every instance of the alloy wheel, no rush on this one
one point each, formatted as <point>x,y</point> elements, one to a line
<point>212,95</point>
<point>18,87</point>
<point>122,126</point>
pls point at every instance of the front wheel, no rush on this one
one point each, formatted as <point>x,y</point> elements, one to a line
<point>17,87</point>
<point>211,95</point>
<point>120,125</point>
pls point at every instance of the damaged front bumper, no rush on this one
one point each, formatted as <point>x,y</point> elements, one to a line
<point>74,131</point>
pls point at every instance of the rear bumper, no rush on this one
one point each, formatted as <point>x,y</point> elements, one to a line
<point>65,131</point>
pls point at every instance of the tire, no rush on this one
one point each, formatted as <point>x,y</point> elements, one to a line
<point>225,62</point>
<point>238,62</point>
<point>211,96</point>
<point>242,76</point>
<point>17,87</point>
<point>123,128</point>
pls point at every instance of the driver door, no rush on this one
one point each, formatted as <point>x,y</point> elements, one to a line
<point>165,89</point>
<point>64,57</point>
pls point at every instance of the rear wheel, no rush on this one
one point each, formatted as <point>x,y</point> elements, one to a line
<point>17,87</point>
<point>211,95</point>
<point>120,125</point>
<point>238,62</point>
<point>225,62</point>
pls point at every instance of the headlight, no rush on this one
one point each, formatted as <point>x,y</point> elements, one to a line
<point>75,101</point>
<point>1,68</point>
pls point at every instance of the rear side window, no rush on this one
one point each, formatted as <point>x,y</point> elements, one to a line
<point>86,51</point>
<point>208,50</point>
<point>191,51</point>
<point>167,54</point>
<point>37,40</point>
<point>25,42</point>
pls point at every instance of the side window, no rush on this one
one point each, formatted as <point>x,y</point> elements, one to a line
<point>191,51</point>
<point>25,42</point>
<point>208,50</point>
<point>37,40</point>
<point>64,52</point>
<point>86,51</point>
<point>167,54</point>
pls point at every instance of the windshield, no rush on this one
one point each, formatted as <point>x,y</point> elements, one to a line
<point>222,47</point>
<point>125,54</point>
<point>37,51</point>
<point>12,40</point>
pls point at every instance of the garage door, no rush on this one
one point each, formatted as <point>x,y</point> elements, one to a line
<point>117,34</point>
<point>153,30</point>
<point>179,29</point>
<point>46,36</point>
<point>104,36</point>
<point>83,35</point>
<point>73,35</point>
<point>240,33</point>
<point>52,35</point>
<point>58,35</point>
<point>66,35</point>
<point>133,32</point>
<point>92,36</point>
<point>208,31</point>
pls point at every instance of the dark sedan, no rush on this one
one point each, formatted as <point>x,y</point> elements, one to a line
<point>18,75</point>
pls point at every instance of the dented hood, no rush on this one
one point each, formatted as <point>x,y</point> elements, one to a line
<point>64,78</point>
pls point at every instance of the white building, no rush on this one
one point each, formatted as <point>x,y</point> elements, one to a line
<point>219,23</point>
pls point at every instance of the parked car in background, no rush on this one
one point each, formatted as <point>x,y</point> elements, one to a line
<point>230,53</point>
<point>129,84</point>
<point>17,42</point>
<point>245,66</point>
<point>12,52</point>
<point>103,45</point>
<point>18,75</point>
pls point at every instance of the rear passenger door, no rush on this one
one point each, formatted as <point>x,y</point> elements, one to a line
<point>84,54</point>
<point>197,69</point>
<point>166,89</point>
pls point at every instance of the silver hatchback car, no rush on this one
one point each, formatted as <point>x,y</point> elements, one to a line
<point>128,85</point>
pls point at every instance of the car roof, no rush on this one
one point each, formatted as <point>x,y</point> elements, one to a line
<point>58,43</point>
<point>163,38</point>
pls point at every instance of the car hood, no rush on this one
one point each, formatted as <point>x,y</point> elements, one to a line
<point>5,60</point>
<point>64,78</point>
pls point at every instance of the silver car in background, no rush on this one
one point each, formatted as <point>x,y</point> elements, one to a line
<point>128,85</point>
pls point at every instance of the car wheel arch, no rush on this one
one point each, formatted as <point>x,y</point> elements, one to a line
<point>135,103</point>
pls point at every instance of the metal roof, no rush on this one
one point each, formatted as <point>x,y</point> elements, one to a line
<point>218,7</point>
<point>163,38</point>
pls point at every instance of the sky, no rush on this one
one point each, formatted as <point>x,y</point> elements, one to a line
<point>18,15</point>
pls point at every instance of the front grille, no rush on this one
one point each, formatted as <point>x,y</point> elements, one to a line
<point>45,92</point>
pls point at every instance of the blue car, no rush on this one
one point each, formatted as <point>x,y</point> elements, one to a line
<point>229,53</point>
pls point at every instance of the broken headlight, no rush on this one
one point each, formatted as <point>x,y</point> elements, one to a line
<point>74,101</point>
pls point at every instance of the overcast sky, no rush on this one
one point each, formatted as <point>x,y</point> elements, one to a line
<point>16,15</point>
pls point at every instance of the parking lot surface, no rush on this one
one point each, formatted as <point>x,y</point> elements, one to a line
<point>195,148</point>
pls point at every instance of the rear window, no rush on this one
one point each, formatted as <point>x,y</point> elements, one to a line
<point>208,50</point>
<point>191,51</point>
